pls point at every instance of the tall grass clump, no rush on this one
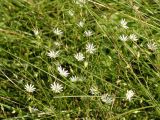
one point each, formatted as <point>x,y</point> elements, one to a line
<point>80,59</point>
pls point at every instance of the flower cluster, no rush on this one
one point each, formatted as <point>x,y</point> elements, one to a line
<point>152,46</point>
<point>56,87</point>
<point>131,37</point>
<point>90,48</point>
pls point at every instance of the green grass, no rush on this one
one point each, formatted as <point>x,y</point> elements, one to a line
<point>114,68</point>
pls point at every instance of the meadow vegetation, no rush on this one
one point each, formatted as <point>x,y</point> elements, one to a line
<point>80,59</point>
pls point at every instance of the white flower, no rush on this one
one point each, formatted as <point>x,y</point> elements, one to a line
<point>124,23</point>
<point>57,31</point>
<point>57,43</point>
<point>94,90</point>
<point>30,88</point>
<point>56,87</point>
<point>107,98</point>
<point>80,24</point>
<point>152,46</point>
<point>129,94</point>
<point>79,56</point>
<point>36,32</point>
<point>88,33</point>
<point>53,54</point>
<point>71,13</point>
<point>74,78</point>
<point>63,72</point>
<point>123,38</point>
<point>133,37</point>
<point>90,48</point>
